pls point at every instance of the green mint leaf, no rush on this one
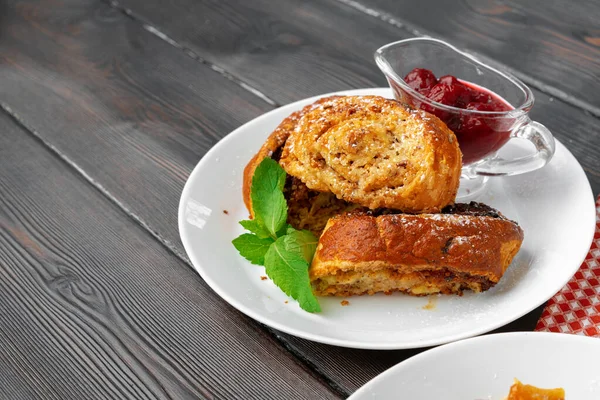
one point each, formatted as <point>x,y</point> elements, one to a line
<point>284,229</point>
<point>253,226</point>
<point>266,192</point>
<point>284,251</point>
<point>252,247</point>
<point>301,242</point>
<point>289,270</point>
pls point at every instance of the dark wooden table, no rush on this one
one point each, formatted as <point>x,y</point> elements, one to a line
<point>106,108</point>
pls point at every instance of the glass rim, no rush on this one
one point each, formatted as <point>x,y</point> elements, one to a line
<point>384,65</point>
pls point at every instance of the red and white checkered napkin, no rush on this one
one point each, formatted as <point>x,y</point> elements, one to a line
<point>576,308</point>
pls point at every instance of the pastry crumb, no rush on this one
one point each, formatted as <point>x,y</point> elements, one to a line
<point>344,302</point>
<point>263,278</point>
<point>286,302</point>
<point>225,212</point>
<point>431,303</point>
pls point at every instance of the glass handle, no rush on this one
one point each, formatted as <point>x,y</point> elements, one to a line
<point>544,144</point>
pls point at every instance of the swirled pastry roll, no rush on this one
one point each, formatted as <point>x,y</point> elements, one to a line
<point>374,152</point>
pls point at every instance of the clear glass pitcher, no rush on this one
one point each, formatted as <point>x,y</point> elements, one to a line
<point>494,128</point>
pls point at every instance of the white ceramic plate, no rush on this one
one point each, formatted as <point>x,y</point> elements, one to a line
<point>554,205</point>
<point>485,367</point>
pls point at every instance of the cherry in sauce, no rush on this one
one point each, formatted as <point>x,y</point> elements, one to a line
<point>478,135</point>
<point>421,79</point>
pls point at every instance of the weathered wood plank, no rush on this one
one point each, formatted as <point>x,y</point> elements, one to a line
<point>352,368</point>
<point>136,113</point>
<point>129,109</point>
<point>91,306</point>
<point>554,42</point>
<point>291,50</point>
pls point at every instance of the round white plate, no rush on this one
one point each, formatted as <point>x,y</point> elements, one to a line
<point>554,206</point>
<point>485,367</point>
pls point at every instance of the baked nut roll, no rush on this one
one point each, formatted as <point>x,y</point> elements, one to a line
<point>374,152</point>
<point>468,246</point>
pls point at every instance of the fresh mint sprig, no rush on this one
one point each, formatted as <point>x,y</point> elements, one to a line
<point>285,252</point>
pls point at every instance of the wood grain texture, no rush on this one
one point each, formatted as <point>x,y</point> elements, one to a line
<point>136,113</point>
<point>291,50</point>
<point>353,368</point>
<point>126,107</point>
<point>555,42</point>
<point>91,306</point>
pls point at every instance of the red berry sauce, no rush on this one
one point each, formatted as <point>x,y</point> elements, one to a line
<point>478,136</point>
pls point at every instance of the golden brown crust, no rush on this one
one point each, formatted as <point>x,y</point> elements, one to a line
<point>272,145</point>
<point>466,251</point>
<point>375,152</point>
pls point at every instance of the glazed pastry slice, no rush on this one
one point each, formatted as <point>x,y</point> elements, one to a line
<point>467,246</point>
